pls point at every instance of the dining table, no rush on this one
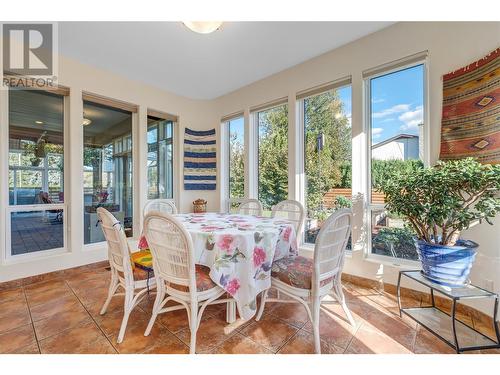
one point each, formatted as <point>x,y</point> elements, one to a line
<point>239,250</point>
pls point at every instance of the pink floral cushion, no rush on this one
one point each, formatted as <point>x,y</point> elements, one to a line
<point>203,280</point>
<point>295,271</point>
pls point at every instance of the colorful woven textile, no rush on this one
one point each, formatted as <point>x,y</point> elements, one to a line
<point>200,155</point>
<point>142,259</point>
<point>471,111</point>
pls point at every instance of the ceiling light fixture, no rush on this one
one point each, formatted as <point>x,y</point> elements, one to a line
<point>86,121</point>
<point>39,122</point>
<point>203,27</point>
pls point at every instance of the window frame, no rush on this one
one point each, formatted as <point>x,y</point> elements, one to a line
<point>7,256</point>
<point>368,206</point>
<point>301,139</point>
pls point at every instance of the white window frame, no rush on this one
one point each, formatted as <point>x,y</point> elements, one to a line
<point>300,155</point>
<point>7,257</point>
<point>411,61</point>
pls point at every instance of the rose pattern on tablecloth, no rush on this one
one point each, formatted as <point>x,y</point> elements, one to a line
<point>240,250</point>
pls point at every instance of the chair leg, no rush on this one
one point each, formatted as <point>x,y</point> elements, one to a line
<point>129,296</point>
<point>340,294</point>
<point>315,323</point>
<point>112,290</point>
<point>160,294</point>
<point>262,304</point>
<point>193,326</point>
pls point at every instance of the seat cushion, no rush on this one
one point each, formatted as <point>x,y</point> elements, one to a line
<point>203,280</point>
<point>295,271</point>
<point>142,259</point>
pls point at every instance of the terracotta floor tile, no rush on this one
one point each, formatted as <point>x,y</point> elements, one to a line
<point>110,322</point>
<point>334,330</point>
<point>212,332</point>
<point>83,276</point>
<point>7,308</point>
<point>427,343</point>
<point>14,317</point>
<point>83,339</point>
<point>269,332</point>
<point>292,313</point>
<point>239,344</point>
<point>30,349</point>
<point>160,339</point>
<point>10,294</point>
<point>17,339</point>
<point>175,321</point>
<point>58,306</point>
<point>303,343</point>
<point>45,286</point>
<point>61,321</point>
<point>392,327</point>
<point>369,340</point>
<point>116,304</point>
<point>46,294</point>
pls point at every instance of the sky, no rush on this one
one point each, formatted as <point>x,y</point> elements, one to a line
<point>397,104</point>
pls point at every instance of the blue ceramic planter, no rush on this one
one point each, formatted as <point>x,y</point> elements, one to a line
<point>447,265</point>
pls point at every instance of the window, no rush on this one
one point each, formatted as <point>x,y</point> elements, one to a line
<point>107,167</point>
<point>36,172</point>
<point>272,156</point>
<point>160,158</point>
<point>236,134</point>
<point>327,156</point>
<point>396,101</point>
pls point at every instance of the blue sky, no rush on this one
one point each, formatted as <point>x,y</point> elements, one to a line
<point>397,103</point>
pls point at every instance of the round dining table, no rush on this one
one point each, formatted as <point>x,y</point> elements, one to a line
<point>239,250</point>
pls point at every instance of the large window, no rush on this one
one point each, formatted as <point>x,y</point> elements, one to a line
<point>36,171</point>
<point>107,167</point>
<point>327,156</point>
<point>236,133</point>
<point>160,158</point>
<point>396,101</point>
<point>273,155</point>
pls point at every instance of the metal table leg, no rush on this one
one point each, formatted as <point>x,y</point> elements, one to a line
<point>399,295</point>
<point>453,320</point>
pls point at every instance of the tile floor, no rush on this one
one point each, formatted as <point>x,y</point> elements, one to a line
<point>62,316</point>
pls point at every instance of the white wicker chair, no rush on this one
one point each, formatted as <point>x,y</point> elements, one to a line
<point>177,277</point>
<point>250,207</point>
<point>325,272</point>
<point>292,211</point>
<point>135,282</point>
<point>162,205</point>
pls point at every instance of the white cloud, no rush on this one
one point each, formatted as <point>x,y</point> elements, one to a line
<point>378,100</point>
<point>390,111</point>
<point>412,119</point>
<point>377,132</point>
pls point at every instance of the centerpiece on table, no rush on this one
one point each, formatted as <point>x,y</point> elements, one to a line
<point>440,202</point>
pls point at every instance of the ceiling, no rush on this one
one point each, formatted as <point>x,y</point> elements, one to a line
<point>170,56</point>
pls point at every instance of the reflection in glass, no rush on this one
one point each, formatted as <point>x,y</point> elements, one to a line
<point>107,168</point>
<point>160,158</point>
<point>32,231</point>
<point>327,152</point>
<point>273,156</point>
<point>36,160</point>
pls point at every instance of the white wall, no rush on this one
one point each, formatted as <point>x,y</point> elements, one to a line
<point>450,46</point>
<point>400,149</point>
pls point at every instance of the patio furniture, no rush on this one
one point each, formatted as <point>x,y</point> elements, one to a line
<point>291,210</point>
<point>308,281</point>
<point>239,251</point>
<point>162,205</point>
<point>178,278</point>
<point>133,280</point>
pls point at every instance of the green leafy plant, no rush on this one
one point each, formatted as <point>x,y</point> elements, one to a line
<point>440,202</point>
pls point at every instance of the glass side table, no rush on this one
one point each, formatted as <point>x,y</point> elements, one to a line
<point>448,328</point>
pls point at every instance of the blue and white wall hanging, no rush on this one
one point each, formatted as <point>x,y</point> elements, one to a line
<point>200,160</point>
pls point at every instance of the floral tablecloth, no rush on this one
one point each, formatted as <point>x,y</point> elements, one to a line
<point>239,250</point>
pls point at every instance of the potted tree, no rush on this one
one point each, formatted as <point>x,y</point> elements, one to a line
<point>440,202</point>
